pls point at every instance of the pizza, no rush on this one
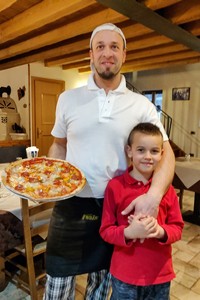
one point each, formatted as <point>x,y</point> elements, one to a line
<point>43,178</point>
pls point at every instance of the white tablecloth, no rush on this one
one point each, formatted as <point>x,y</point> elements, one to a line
<point>188,171</point>
<point>9,201</point>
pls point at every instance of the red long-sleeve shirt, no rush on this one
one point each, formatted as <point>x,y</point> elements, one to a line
<point>134,262</point>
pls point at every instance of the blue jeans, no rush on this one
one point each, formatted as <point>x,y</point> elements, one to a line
<point>125,291</point>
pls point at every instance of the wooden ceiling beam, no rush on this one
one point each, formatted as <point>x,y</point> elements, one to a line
<point>136,47</point>
<point>42,55</point>
<point>40,15</point>
<point>140,47</point>
<point>59,34</point>
<point>133,31</point>
<point>9,8</point>
<point>76,65</point>
<point>84,70</point>
<point>162,65</point>
<point>139,53</point>
<point>158,4</point>
<point>155,51</point>
<point>142,14</point>
<point>6,4</point>
<point>193,27</point>
<point>146,41</point>
<point>73,29</point>
<point>185,11</point>
<point>84,55</point>
<point>146,67</point>
<point>37,41</point>
<point>131,67</point>
<point>181,55</point>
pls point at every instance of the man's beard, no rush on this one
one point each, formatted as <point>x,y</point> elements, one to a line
<point>107,75</point>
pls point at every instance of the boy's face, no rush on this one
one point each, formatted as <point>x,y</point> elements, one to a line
<point>145,152</point>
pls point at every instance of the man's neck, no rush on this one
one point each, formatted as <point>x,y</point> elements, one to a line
<point>107,85</point>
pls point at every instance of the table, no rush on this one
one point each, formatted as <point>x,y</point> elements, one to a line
<point>21,221</point>
<point>11,229</point>
<point>187,177</point>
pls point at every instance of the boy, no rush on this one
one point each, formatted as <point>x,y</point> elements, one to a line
<point>141,265</point>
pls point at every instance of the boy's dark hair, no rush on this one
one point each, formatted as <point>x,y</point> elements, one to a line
<point>146,128</point>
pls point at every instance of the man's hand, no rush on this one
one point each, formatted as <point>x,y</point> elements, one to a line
<point>145,204</point>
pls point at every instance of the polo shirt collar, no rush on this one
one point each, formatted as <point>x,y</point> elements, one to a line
<point>121,89</point>
<point>132,181</point>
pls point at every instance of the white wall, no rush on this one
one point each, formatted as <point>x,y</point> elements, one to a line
<point>185,114</point>
<point>21,76</point>
<point>39,70</point>
<point>17,78</point>
<point>72,78</point>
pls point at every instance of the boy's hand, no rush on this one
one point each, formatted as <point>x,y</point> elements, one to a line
<point>140,227</point>
<point>159,234</point>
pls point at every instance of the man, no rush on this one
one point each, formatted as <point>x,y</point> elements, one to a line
<point>90,131</point>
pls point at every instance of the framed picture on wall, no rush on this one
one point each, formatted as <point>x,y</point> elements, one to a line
<point>182,93</point>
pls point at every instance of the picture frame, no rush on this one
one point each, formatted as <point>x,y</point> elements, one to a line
<point>181,93</point>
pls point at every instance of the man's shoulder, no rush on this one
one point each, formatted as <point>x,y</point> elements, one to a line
<point>76,90</point>
<point>138,95</point>
<point>71,94</point>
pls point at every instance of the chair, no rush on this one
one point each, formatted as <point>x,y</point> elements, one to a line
<point>9,154</point>
<point>180,196</point>
<point>27,259</point>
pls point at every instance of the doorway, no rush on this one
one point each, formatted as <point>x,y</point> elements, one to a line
<point>45,93</point>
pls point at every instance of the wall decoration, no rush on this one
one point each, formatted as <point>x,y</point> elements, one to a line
<point>21,92</point>
<point>182,93</point>
<point>6,90</point>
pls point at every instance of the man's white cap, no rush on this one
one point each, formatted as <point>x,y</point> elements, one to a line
<point>107,26</point>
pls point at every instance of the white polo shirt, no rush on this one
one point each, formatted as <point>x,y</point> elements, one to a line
<point>97,126</point>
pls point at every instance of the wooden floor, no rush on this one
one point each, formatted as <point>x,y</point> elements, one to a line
<point>186,259</point>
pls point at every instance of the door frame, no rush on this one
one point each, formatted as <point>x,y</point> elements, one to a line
<point>33,102</point>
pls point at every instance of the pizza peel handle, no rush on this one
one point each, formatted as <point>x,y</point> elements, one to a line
<point>43,179</point>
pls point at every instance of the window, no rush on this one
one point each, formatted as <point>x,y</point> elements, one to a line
<point>155,96</point>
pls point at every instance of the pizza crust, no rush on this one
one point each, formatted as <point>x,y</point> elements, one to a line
<point>43,179</point>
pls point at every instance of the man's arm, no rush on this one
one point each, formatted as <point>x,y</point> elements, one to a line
<point>58,148</point>
<point>148,203</point>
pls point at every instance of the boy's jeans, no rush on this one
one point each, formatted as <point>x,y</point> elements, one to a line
<point>121,290</point>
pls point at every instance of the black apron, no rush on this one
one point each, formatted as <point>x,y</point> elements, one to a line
<point>74,245</point>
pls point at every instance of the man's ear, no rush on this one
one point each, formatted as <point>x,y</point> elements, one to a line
<point>124,56</point>
<point>128,151</point>
<point>91,55</point>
